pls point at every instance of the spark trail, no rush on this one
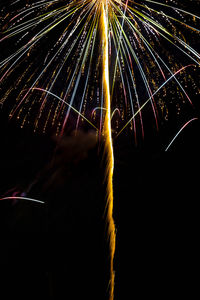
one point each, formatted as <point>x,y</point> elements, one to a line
<point>108,143</point>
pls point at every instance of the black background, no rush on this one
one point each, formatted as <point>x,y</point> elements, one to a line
<point>60,249</point>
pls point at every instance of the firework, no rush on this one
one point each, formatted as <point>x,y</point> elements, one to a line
<point>22,198</point>
<point>77,62</point>
<point>56,65</point>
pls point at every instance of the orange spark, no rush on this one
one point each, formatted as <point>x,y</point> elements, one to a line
<point>108,144</point>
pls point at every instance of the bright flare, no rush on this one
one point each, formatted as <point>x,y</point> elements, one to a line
<point>108,144</point>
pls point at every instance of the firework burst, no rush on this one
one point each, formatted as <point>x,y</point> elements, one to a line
<point>56,65</point>
<point>77,62</point>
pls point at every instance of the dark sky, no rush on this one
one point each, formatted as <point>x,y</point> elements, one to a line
<point>50,250</point>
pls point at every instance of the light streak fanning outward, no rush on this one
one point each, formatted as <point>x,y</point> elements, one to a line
<point>22,198</point>
<point>108,144</point>
<point>186,124</point>
<point>55,49</point>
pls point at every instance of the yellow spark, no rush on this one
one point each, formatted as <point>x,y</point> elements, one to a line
<point>108,144</point>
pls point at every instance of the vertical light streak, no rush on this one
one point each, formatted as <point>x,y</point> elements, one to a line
<point>108,144</point>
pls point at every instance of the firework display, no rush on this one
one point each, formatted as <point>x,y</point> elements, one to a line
<point>106,65</point>
<point>50,51</point>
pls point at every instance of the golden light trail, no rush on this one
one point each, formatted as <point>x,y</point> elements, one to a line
<point>108,144</point>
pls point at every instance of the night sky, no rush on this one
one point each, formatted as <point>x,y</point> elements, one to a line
<point>60,250</point>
